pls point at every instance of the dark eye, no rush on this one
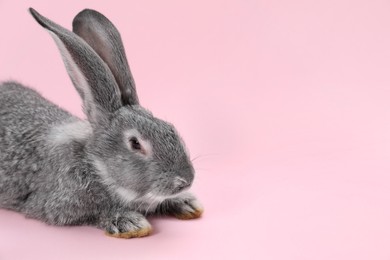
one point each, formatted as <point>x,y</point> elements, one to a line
<point>135,144</point>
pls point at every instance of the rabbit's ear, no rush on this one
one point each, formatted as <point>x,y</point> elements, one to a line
<point>90,75</point>
<point>105,39</point>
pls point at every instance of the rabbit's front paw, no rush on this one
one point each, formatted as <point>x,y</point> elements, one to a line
<point>184,207</point>
<point>129,226</point>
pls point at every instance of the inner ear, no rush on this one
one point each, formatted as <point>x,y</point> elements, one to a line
<point>104,38</point>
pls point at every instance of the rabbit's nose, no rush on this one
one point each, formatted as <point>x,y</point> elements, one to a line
<point>180,184</point>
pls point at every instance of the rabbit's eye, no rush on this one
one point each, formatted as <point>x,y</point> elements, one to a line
<point>135,144</point>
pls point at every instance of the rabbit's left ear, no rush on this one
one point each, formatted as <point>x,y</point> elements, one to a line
<point>106,41</point>
<point>89,73</point>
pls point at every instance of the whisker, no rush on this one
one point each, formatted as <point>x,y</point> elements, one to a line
<point>140,205</point>
<point>195,158</point>
<point>203,156</point>
<point>147,209</point>
<point>201,169</point>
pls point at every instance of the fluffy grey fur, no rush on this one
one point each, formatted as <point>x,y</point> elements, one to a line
<point>110,171</point>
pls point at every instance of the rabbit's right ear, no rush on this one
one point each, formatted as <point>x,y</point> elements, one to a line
<point>105,39</point>
<point>89,73</point>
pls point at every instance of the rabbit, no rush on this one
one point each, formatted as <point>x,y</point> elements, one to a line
<point>110,171</point>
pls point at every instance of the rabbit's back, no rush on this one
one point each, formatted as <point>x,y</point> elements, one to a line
<point>25,120</point>
<point>20,105</point>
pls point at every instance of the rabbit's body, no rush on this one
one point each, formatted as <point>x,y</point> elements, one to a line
<point>109,171</point>
<point>44,170</point>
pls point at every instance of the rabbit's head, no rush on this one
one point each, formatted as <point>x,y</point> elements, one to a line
<point>134,152</point>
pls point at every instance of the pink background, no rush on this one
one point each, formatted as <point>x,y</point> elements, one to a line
<point>286,103</point>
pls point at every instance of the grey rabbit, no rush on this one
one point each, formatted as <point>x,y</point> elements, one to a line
<point>110,171</point>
